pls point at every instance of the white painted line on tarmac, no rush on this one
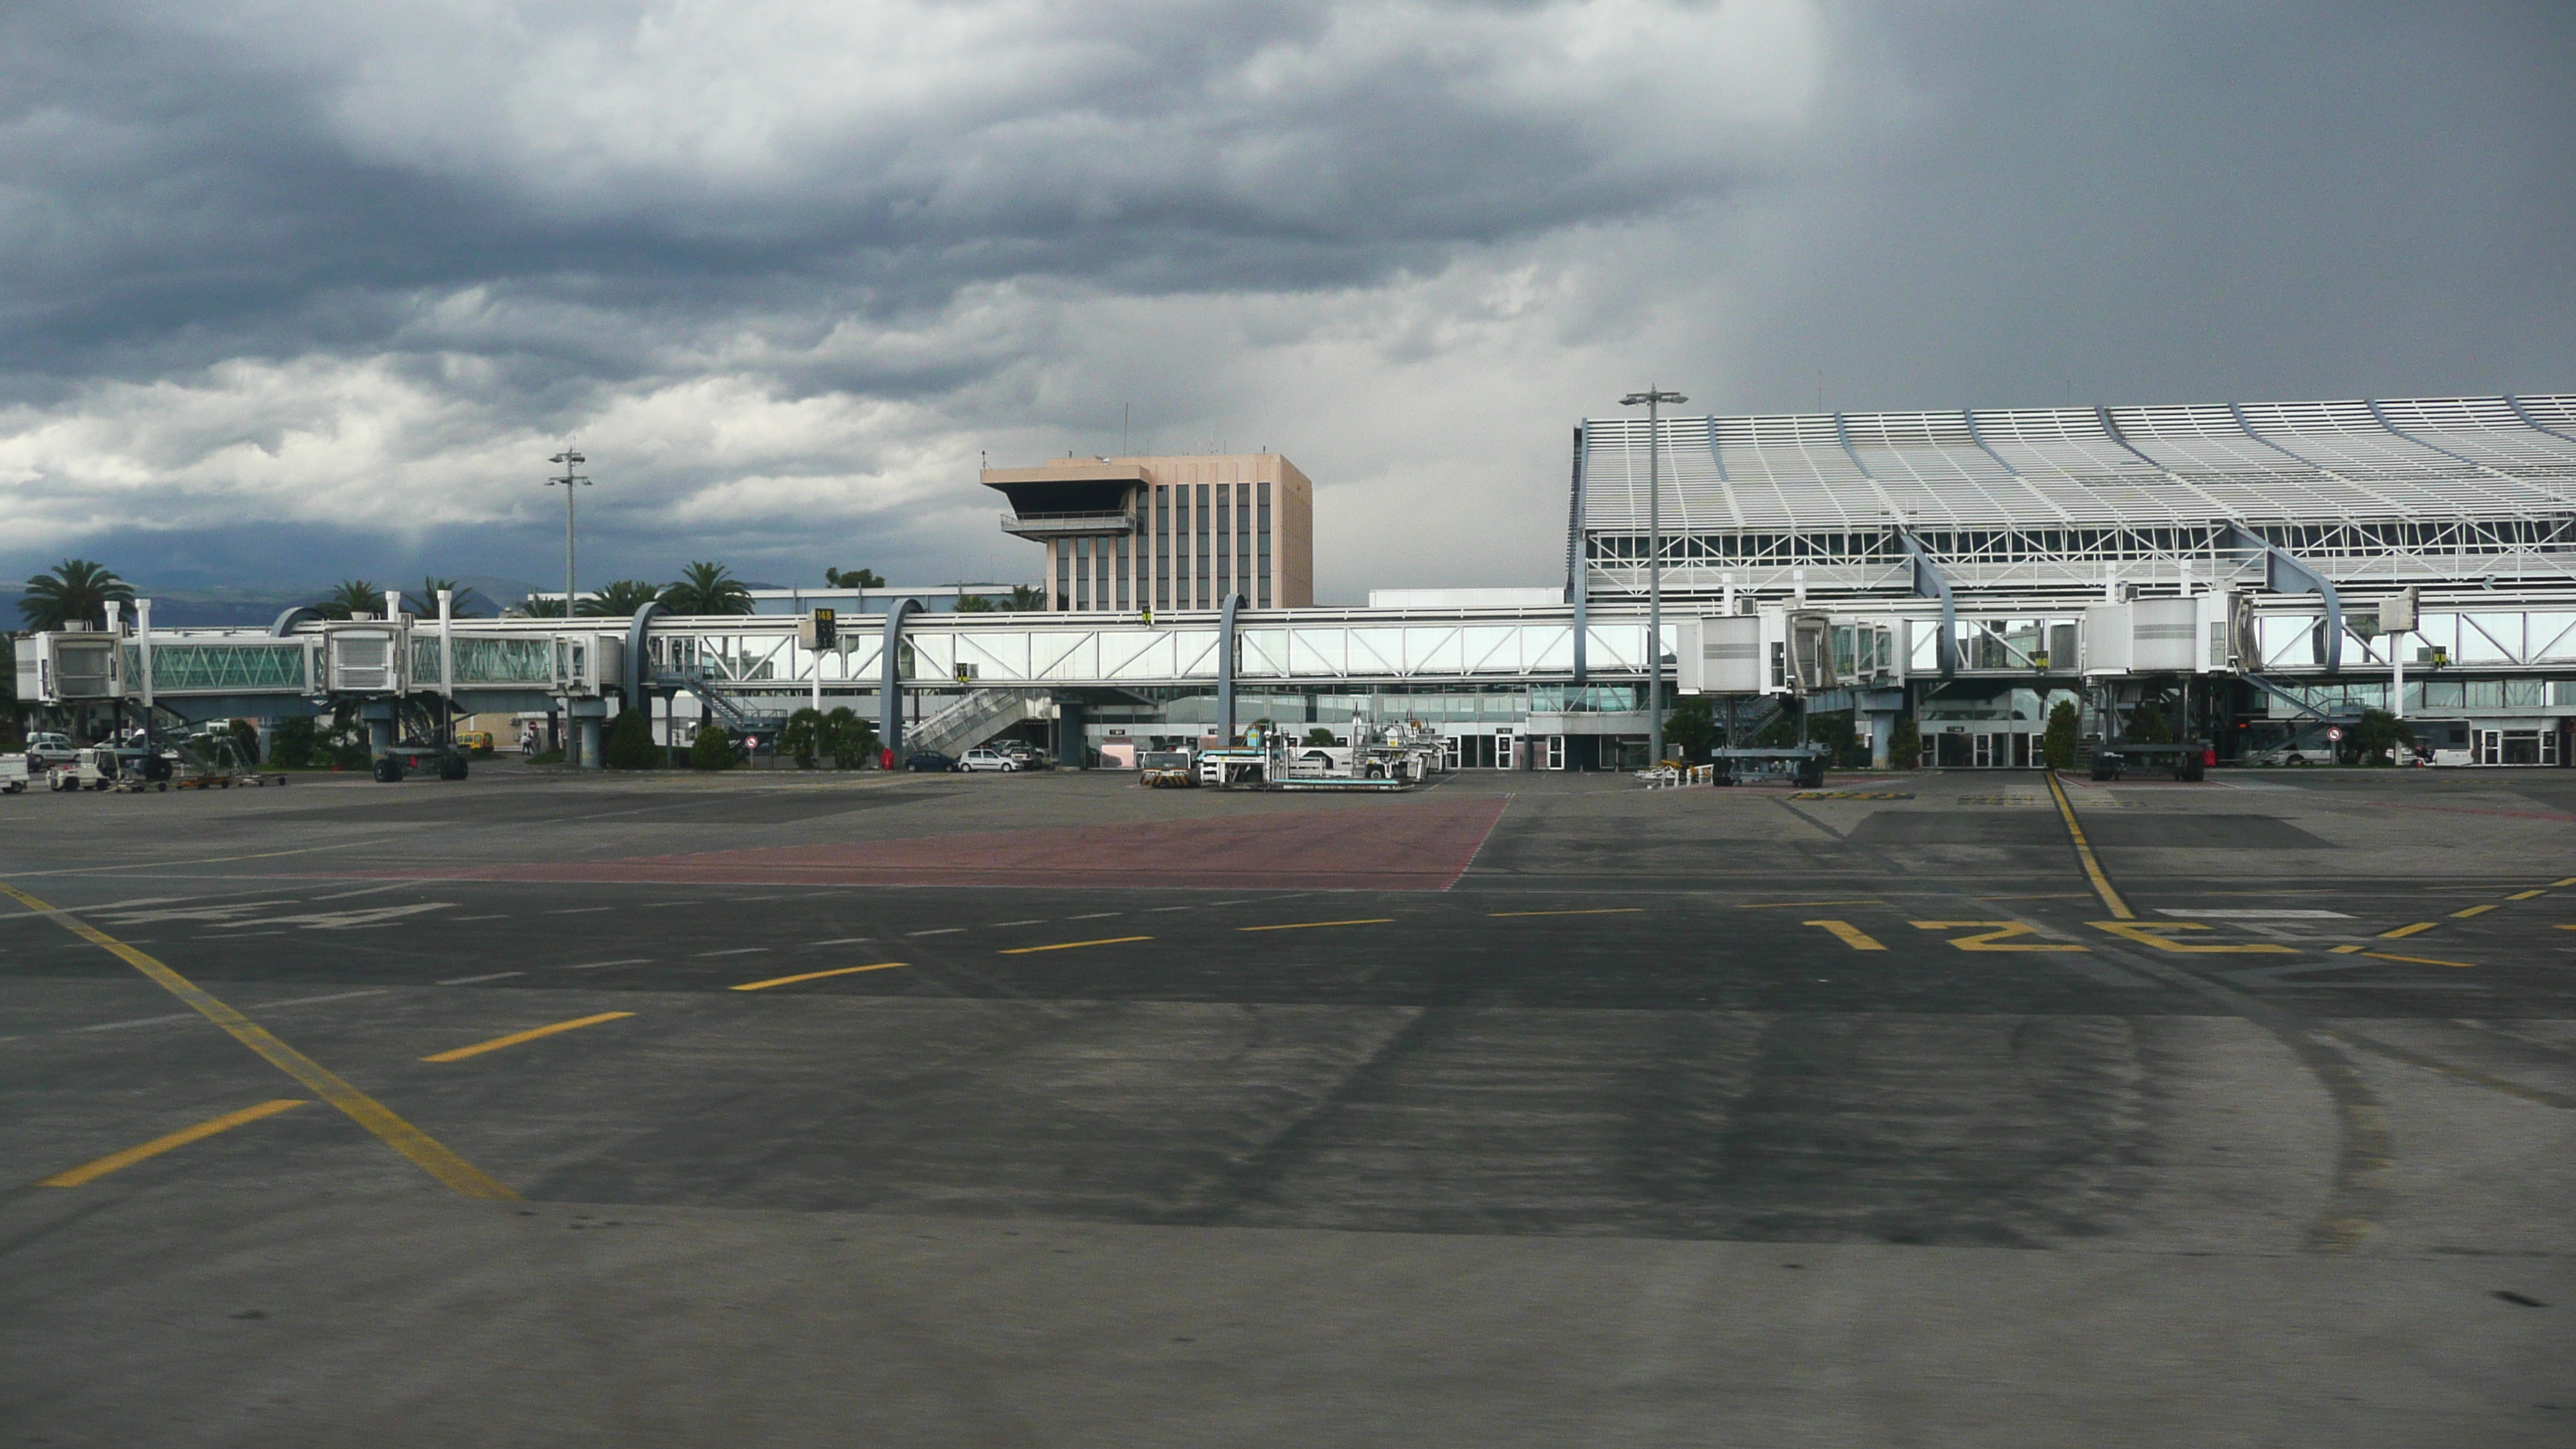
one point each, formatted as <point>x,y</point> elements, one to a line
<point>603,965</point>
<point>368,891</point>
<point>461,920</point>
<point>1036,921</point>
<point>736,951</point>
<point>1096,916</point>
<point>138,1021</point>
<point>1158,910</point>
<point>942,931</point>
<point>487,976</point>
<point>192,1016</point>
<point>2248,913</point>
<point>580,910</point>
<point>318,1000</point>
<point>841,941</point>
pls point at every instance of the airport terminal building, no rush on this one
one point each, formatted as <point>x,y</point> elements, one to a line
<point>2019,522</point>
<point>2255,574</point>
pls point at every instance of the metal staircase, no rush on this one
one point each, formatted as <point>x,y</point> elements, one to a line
<point>971,720</point>
<point>728,711</point>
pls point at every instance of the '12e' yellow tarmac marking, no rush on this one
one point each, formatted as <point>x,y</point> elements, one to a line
<point>1849,934</point>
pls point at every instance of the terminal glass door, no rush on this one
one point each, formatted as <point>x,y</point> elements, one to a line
<point>1556,752</point>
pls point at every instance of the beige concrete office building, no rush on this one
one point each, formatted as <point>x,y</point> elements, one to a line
<point>1127,534</point>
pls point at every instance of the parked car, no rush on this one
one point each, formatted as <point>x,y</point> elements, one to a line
<point>984,757</point>
<point>930,762</point>
<point>1026,755</point>
<point>47,750</point>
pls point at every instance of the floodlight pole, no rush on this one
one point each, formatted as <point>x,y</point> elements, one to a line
<point>1654,399</point>
<point>572,483</point>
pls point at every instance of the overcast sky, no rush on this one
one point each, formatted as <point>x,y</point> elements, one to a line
<point>295,291</point>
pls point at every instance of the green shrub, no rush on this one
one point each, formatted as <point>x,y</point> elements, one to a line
<point>292,745</point>
<point>628,742</point>
<point>803,737</point>
<point>713,748</point>
<point>1905,748</point>
<point>2057,742</point>
<point>848,738</point>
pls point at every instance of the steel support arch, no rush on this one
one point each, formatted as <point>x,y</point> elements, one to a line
<point>2284,574</point>
<point>1225,671</point>
<point>1929,584</point>
<point>889,675</point>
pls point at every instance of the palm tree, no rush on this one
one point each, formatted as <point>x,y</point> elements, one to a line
<point>76,591</point>
<point>424,602</point>
<point>351,596</point>
<point>706,588</point>
<point>974,604</point>
<point>537,607</point>
<point>619,600</point>
<point>854,578</point>
<point>1026,596</point>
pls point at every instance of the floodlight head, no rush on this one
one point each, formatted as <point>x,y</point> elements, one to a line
<point>1637,399</point>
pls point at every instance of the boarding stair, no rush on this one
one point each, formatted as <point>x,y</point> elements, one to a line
<point>971,719</point>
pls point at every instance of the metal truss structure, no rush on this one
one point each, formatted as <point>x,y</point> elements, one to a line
<point>2074,501</point>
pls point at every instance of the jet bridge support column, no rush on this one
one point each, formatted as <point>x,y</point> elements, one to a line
<point>890,677</point>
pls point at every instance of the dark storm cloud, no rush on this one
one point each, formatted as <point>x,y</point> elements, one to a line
<point>2192,203</point>
<point>189,188</point>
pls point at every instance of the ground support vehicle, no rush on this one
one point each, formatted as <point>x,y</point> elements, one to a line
<point>981,759</point>
<point>124,769</point>
<point>2188,760</point>
<point>13,774</point>
<point>393,764</point>
<point>1166,770</point>
<point>1799,765</point>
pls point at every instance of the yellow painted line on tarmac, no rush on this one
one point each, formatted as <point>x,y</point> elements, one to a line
<point>2526,895</point>
<point>2423,960</point>
<point>2571,880</point>
<point>1309,925</point>
<point>533,1033</point>
<point>812,976</point>
<point>427,1152</point>
<point>1069,945</point>
<point>1784,905</point>
<point>2473,911</point>
<point>1849,934</point>
<point>2402,932</point>
<point>1596,911</point>
<point>2084,854</point>
<point>2350,950</point>
<point>92,1171</point>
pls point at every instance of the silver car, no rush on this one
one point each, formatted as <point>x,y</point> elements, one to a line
<point>984,757</point>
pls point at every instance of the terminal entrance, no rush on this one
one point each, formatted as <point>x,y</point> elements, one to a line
<point>1961,748</point>
<point>2516,747</point>
<point>1491,751</point>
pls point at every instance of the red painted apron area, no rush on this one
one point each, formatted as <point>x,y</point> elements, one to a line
<point>1407,847</point>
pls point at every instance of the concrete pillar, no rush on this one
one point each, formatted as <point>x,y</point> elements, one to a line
<point>589,736</point>
<point>1882,731</point>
